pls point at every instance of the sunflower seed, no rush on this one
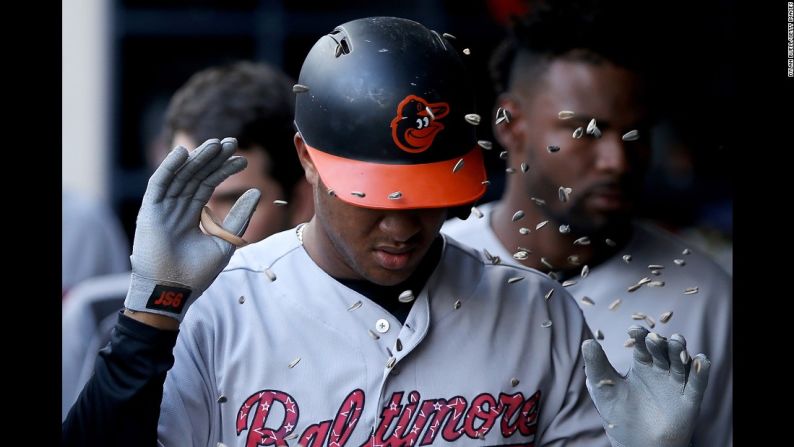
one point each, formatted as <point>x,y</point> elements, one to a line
<point>605,382</point>
<point>331,192</point>
<point>665,317</point>
<point>584,240</point>
<point>574,260</point>
<point>518,215</point>
<point>586,300</point>
<point>546,323</point>
<point>541,225</point>
<point>565,229</point>
<point>523,230</point>
<point>220,444</point>
<point>634,287</point>
<point>374,335</point>
<point>514,381</point>
<point>476,212</point>
<point>514,279</point>
<point>631,135</point>
<point>520,255</point>
<point>486,182</point>
<point>610,242</point>
<point>458,166</point>
<point>270,275</point>
<point>390,363</point>
<point>524,167</point>
<point>578,133</point>
<point>339,50</point>
<point>430,113</point>
<point>485,144</point>
<point>569,283</point>
<point>684,356</point>
<point>651,323</point>
<point>655,283</point>
<point>472,118</point>
<point>552,149</point>
<point>291,436</point>
<point>562,194</point>
<point>241,300</point>
<point>599,335</point>
<point>299,88</point>
<point>294,362</point>
<point>585,271</point>
<point>686,251</point>
<point>690,290</point>
<point>656,272</point>
<point>565,114</point>
<point>553,276</point>
<point>627,258</point>
<point>591,126</point>
<point>614,304</point>
<point>449,36</point>
<point>279,202</point>
<point>596,133</point>
<point>396,195</point>
<point>638,316</point>
<point>222,399</point>
<point>610,425</point>
<point>466,51</point>
<point>487,254</point>
<point>358,194</point>
<point>398,345</point>
<point>548,294</point>
<point>644,281</point>
<point>481,435</point>
<point>546,263</point>
<point>697,365</point>
<point>510,170</point>
<point>456,305</point>
<point>406,297</point>
<point>629,343</point>
<point>520,248</point>
<point>355,306</point>
<point>501,119</point>
<point>503,155</point>
<point>679,262</point>
<point>539,202</point>
<point>655,267</point>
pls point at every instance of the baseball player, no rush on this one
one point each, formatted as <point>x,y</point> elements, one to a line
<point>579,119</point>
<point>363,327</point>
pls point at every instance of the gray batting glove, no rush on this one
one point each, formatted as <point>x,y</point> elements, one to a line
<point>657,402</point>
<point>173,262</point>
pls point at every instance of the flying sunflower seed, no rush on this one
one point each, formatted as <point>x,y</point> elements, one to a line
<point>651,323</point>
<point>331,192</point>
<point>686,251</point>
<point>355,306</point>
<point>634,287</point>
<point>697,365</point>
<point>390,363</point>
<point>501,119</point>
<point>574,260</point>
<point>638,316</point>
<point>656,272</point>
<point>524,167</point>
<point>466,51</point>
<point>358,194</point>
<point>610,242</point>
<point>406,297</point>
<point>514,279</point>
<point>655,267</point>
<point>627,258</point>
<point>458,166</point>
<point>569,283</point>
<point>514,381</point>
<point>644,281</point>
<point>476,212</point>
<point>541,225</point>
<point>299,88</point>
<point>294,362</point>
<point>548,294</point>
<point>279,202</point>
<point>546,323</point>
<point>430,113</point>
<point>586,300</point>
<point>241,300</point>
<point>584,240</point>
<point>339,50</point>
<point>596,133</point>
<point>552,149</point>
<point>605,382</point>
<point>599,335</point>
<point>684,356</point>
<point>518,215</point>
<point>565,229</point>
<point>449,36</point>
<point>690,290</point>
<point>487,254</point>
<point>373,334</point>
<point>396,195</point>
<point>486,182</point>
<point>679,262</point>
<point>565,114</point>
<point>591,126</point>
<point>503,155</point>
<point>665,317</point>
<point>539,202</point>
<point>553,276</point>
<point>398,345</point>
<point>222,399</point>
<point>578,132</point>
<point>270,275</point>
<point>520,255</point>
<point>614,304</point>
<point>456,305</point>
<point>631,135</point>
<point>629,343</point>
<point>524,230</point>
<point>546,263</point>
<point>472,118</point>
<point>563,195</point>
<point>291,436</point>
<point>655,283</point>
<point>510,170</point>
<point>585,271</point>
<point>485,144</point>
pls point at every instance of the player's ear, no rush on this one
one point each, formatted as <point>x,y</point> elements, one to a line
<point>309,170</point>
<point>510,135</point>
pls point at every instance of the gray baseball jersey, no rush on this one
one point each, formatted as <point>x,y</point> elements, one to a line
<point>277,352</point>
<point>704,318</point>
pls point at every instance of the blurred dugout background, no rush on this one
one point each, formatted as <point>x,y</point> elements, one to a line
<point>123,59</point>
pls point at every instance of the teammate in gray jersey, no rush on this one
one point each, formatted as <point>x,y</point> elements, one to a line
<point>364,326</point>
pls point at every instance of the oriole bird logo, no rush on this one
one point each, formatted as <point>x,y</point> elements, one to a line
<point>417,123</point>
